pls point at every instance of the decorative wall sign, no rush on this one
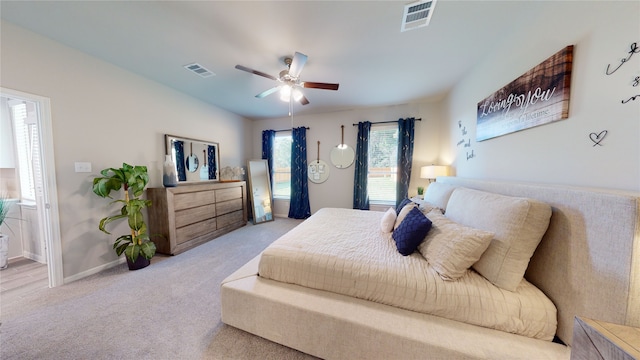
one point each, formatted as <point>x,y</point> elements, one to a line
<point>539,96</point>
<point>466,143</point>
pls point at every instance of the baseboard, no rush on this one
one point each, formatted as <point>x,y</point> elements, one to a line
<point>94,270</point>
<point>35,257</point>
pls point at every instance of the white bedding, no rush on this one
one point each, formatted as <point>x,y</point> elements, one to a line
<point>344,251</point>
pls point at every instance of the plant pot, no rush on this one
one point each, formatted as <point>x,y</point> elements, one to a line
<point>4,251</point>
<point>140,263</point>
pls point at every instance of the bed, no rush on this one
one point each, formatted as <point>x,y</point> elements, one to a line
<point>586,264</point>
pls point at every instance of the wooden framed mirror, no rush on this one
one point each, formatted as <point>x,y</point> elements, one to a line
<point>195,160</point>
<point>260,191</point>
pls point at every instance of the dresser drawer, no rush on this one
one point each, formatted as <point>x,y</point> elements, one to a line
<point>230,218</point>
<point>189,232</point>
<point>228,206</point>
<point>194,215</point>
<point>193,199</point>
<point>228,194</point>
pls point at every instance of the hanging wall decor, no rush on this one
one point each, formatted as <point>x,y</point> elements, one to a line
<point>318,170</point>
<point>634,49</point>
<point>539,96</point>
<point>466,143</point>
<point>597,138</point>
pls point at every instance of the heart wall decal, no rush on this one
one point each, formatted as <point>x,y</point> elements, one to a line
<point>597,138</point>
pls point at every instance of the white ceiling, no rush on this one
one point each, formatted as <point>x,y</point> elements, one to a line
<point>357,44</point>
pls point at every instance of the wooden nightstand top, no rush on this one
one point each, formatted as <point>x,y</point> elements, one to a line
<point>595,339</point>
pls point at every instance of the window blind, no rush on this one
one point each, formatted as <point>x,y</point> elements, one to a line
<point>27,145</point>
<point>383,164</point>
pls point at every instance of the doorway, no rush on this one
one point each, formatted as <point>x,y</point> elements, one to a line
<point>43,199</point>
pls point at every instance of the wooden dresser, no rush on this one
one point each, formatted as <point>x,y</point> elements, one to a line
<point>188,215</point>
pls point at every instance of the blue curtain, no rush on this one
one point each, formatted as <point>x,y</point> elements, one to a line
<point>211,159</point>
<point>182,173</point>
<point>360,194</point>
<point>268,138</point>
<point>299,207</point>
<point>405,156</point>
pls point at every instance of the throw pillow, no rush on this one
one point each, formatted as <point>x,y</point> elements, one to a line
<point>518,224</point>
<point>405,210</point>
<point>402,204</point>
<point>411,231</point>
<point>438,194</point>
<point>388,220</point>
<point>451,248</point>
<point>426,207</point>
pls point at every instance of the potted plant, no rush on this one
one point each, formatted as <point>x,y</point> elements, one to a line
<point>5,205</point>
<point>136,245</point>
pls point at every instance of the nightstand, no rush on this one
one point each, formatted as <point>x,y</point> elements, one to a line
<point>594,339</point>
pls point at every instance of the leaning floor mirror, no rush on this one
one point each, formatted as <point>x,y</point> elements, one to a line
<point>260,191</point>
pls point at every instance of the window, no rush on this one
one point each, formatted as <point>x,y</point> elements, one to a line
<point>383,164</point>
<point>282,165</point>
<point>27,146</point>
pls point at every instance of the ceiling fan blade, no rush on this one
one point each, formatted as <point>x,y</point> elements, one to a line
<point>303,100</point>
<point>299,59</point>
<point>323,86</point>
<point>268,92</point>
<point>244,68</point>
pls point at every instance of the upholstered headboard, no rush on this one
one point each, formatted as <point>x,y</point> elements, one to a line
<point>588,262</point>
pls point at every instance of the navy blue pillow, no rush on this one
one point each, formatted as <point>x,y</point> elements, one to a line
<point>412,230</point>
<point>402,204</point>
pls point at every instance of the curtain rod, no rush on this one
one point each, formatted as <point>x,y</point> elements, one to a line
<point>308,128</point>
<point>387,122</point>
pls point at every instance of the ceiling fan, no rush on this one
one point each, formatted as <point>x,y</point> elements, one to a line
<point>290,80</point>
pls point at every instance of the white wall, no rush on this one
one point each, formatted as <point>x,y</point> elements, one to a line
<point>561,152</point>
<point>105,115</point>
<point>337,191</point>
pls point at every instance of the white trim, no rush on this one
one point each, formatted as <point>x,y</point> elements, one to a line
<point>49,217</point>
<point>35,257</point>
<point>95,270</point>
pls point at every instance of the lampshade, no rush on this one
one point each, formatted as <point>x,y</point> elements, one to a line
<point>433,171</point>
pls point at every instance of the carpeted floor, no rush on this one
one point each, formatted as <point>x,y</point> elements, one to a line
<point>169,310</point>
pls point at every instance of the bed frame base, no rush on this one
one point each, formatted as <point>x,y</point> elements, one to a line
<point>348,328</point>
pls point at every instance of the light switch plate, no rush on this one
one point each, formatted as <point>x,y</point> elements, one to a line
<point>83,167</point>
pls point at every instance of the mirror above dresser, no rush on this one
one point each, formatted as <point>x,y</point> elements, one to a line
<point>194,160</point>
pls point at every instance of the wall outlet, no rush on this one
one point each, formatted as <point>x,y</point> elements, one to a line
<point>83,167</point>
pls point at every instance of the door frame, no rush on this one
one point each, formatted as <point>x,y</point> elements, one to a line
<point>48,214</point>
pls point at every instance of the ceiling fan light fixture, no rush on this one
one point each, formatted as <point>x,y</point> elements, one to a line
<point>297,94</point>
<point>285,93</point>
<point>289,83</point>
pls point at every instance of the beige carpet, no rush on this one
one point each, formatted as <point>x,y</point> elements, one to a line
<point>169,310</point>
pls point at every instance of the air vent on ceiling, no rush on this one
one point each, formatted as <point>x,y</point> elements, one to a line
<point>199,69</point>
<point>417,14</point>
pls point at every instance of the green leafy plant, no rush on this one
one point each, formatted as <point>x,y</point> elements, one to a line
<point>5,205</point>
<point>420,190</point>
<point>133,180</point>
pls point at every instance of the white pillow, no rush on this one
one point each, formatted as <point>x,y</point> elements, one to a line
<point>403,213</point>
<point>518,224</point>
<point>438,194</point>
<point>451,248</point>
<point>426,207</point>
<point>388,220</point>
